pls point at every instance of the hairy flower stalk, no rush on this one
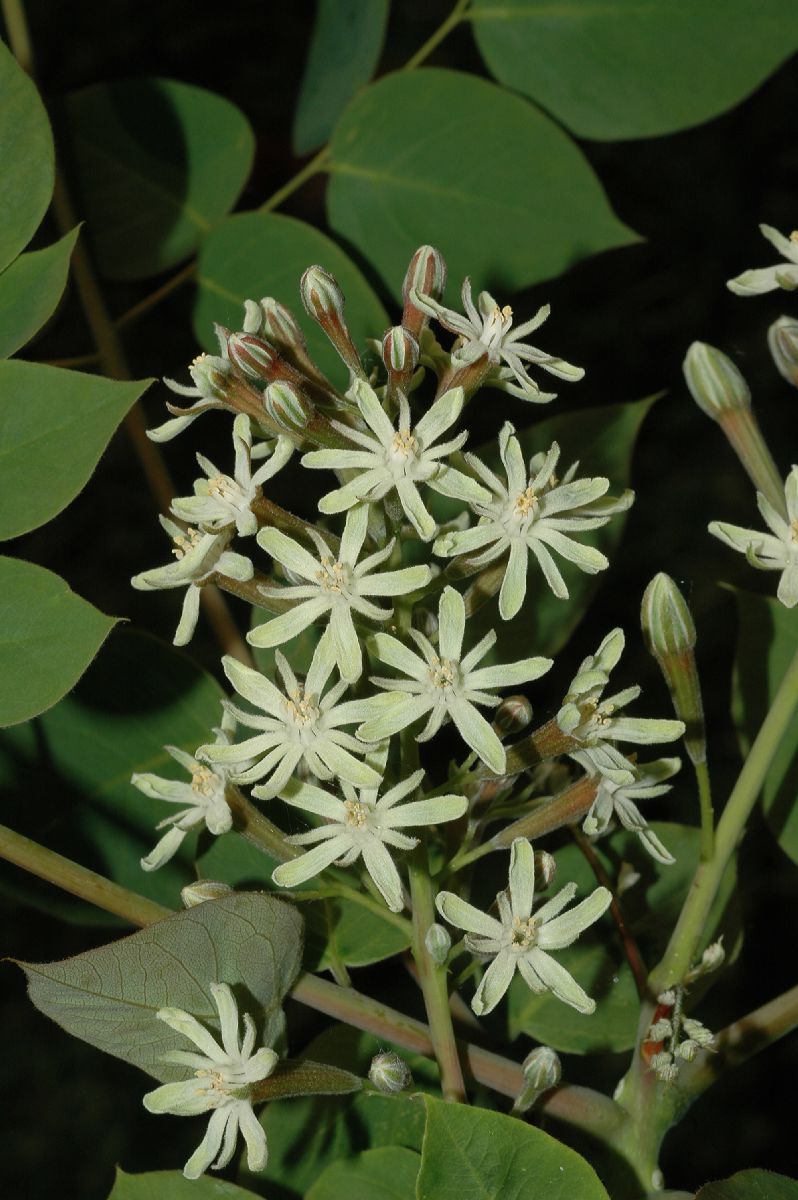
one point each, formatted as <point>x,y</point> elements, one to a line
<point>336,586</point>
<point>519,941</point>
<point>532,512</point>
<point>444,684</point>
<point>222,1084</point>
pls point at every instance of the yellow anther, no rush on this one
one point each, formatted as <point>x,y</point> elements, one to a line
<point>356,813</point>
<point>442,674</point>
<point>184,542</point>
<point>794,529</point>
<point>794,235</point>
<point>333,576</point>
<point>301,708</point>
<point>524,933</point>
<point>404,443</point>
<point>525,501</point>
<point>203,781</point>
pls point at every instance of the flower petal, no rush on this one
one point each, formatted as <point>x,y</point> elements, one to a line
<point>462,914</point>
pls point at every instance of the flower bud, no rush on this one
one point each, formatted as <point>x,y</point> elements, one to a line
<point>545,870</point>
<point>324,302</point>
<point>287,409</point>
<point>697,1032</point>
<point>389,1073</point>
<point>687,1050</point>
<point>542,1071</point>
<point>669,632</point>
<point>720,391</point>
<point>210,375</point>
<point>715,383</point>
<point>427,275</point>
<point>400,355</point>
<point>783,343</point>
<point>712,958</point>
<point>257,359</point>
<point>438,942</point>
<point>202,890</point>
<point>513,714</point>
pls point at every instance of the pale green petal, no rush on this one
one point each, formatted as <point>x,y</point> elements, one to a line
<point>434,811</point>
<point>462,914</point>
<point>183,1022</point>
<point>494,984</point>
<point>552,907</point>
<point>373,413</point>
<point>415,509</point>
<point>509,674</point>
<point>254,686</point>
<point>440,416</point>
<point>313,799</point>
<point>563,930</point>
<point>208,1148</point>
<point>185,1099</point>
<point>478,734</point>
<point>188,616</point>
<point>451,624</point>
<point>298,870</point>
<point>382,870</point>
<point>165,849</point>
<point>354,534</point>
<point>346,644</point>
<point>255,1137</point>
<point>466,541</point>
<point>522,878</point>
<point>644,731</point>
<point>558,981</point>
<point>513,589</point>
<point>392,652</point>
<point>394,583</point>
<point>453,483</point>
<point>787,591</point>
<point>345,765</point>
<point>288,624</point>
<point>288,552</point>
<point>392,712</point>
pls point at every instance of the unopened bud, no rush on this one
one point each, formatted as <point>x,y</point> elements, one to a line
<point>720,391</point>
<point>203,889</point>
<point>324,302</point>
<point>427,275</point>
<point>698,1032</point>
<point>438,942</point>
<point>512,715</point>
<point>256,358</point>
<point>715,383</point>
<point>400,355</point>
<point>545,870</point>
<point>542,1071</point>
<point>210,375</point>
<point>687,1049</point>
<point>783,343</point>
<point>660,1030</point>
<point>669,632</point>
<point>287,409</point>
<point>711,959</point>
<point>389,1073</point>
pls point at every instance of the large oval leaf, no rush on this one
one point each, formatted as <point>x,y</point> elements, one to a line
<point>173,1185</point>
<point>751,1185</point>
<point>473,1154</point>
<point>48,636</point>
<point>27,155</point>
<point>343,54</point>
<point>56,425</point>
<point>388,1173</point>
<point>263,254</point>
<point>108,997</point>
<point>767,643</point>
<point>72,769</point>
<point>158,163</point>
<point>442,157</point>
<point>634,68</point>
<point>30,289</point>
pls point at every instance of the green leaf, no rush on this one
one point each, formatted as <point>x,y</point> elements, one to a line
<point>173,1185</point>
<point>108,997</point>
<point>69,773</point>
<point>596,960</point>
<point>401,178</point>
<point>750,1185</point>
<point>767,643</point>
<point>338,930</point>
<point>474,1154</point>
<point>385,1174</point>
<point>30,289</point>
<point>49,636</point>
<point>627,69</point>
<point>27,155</point>
<point>262,254</point>
<point>308,1135</point>
<point>56,425</point>
<point>159,163</point>
<point>345,47</point>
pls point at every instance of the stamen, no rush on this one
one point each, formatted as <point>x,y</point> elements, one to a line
<point>356,813</point>
<point>524,934</point>
<point>333,576</point>
<point>184,542</point>
<point>525,501</point>
<point>404,444</point>
<point>301,709</point>
<point>443,674</point>
<point>203,781</point>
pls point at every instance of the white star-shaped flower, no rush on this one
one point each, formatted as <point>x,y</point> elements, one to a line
<point>397,459</point>
<point>445,684</point>
<point>203,799</point>
<point>360,824</point>
<point>519,941</point>
<point>618,799</point>
<point>487,329</point>
<point>198,556</point>
<point>220,500</point>
<point>222,1084</point>
<point>337,586</point>
<point>301,724</point>
<point>767,279</point>
<point>774,551</point>
<point>533,512</point>
<point>597,723</point>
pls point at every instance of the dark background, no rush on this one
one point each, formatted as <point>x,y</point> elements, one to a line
<point>628,317</point>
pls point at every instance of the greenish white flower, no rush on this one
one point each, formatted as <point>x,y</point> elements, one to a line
<point>517,940</point>
<point>486,329</point>
<point>335,588</point>
<point>360,824</point>
<point>222,1084</point>
<point>397,459</point>
<point>767,279</point>
<point>202,800</point>
<point>774,551</point>
<point>198,556</point>
<point>598,723</point>
<point>300,725</point>
<point>209,377</point>
<point>619,800</point>
<point>219,500</point>
<point>530,511</point>
<point>445,684</point>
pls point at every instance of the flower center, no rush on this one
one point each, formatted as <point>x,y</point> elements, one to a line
<point>794,529</point>
<point>794,236</point>
<point>524,934</point>
<point>203,781</point>
<point>301,709</point>
<point>525,502</point>
<point>595,715</point>
<point>333,576</point>
<point>356,813</point>
<point>443,674</point>
<point>222,486</point>
<point>404,445</point>
<point>496,324</point>
<point>184,542</point>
